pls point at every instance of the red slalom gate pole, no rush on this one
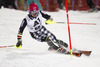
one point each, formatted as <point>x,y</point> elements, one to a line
<point>68,28</point>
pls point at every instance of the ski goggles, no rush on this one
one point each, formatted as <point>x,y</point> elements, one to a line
<point>34,12</point>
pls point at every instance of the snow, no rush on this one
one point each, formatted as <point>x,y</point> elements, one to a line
<point>36,54</point>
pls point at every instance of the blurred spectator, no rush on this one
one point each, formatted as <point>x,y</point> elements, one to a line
<point>49,5</point>
<point>92,6</point>
<point>21,4</point>
<point>35,1</point>
<point>98,8</point>
<point>60,3</point>
<point>1,3</point>
<point>8,4</point>
<point>53,5</point>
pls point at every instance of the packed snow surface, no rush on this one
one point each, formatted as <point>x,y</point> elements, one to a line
<point>36,54</point>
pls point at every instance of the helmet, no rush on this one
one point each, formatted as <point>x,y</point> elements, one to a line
<point>33,9</point>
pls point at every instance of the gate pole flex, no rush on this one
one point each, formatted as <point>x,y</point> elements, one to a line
<point>68,28</point>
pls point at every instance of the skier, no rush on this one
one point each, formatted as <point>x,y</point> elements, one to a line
<point>38,31</point>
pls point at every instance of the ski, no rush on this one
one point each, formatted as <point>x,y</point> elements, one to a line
<point>81,52</point>
<point>85,52</point>
<point>77,54</point>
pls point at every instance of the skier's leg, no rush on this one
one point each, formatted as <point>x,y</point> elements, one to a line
<point>53,38</point>
<point>44,35</point>
<point>61,43</point>
<point>51,44</point>
<point>54,47</point>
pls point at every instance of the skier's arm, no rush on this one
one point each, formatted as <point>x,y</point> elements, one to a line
<point>46,16</point>
<point>21,29</point>
<point>20,32</point>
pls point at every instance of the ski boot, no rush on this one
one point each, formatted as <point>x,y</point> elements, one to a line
<point>53,47</point>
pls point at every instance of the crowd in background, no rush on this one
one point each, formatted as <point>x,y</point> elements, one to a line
<point>52,5</point>
<point>8,4</point>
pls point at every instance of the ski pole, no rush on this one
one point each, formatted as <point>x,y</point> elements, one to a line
<point>78,23</point>
<point>52,22</point>
<point>11,46</point>
<point>7,46</point>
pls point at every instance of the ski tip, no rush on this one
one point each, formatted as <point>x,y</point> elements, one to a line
<point>87,53</point>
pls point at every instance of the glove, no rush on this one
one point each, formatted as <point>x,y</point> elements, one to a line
<point>19,44</point>
<point>49,22</point>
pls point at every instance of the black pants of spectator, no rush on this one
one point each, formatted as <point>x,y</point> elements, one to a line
<point>90,4</point>
<point>60,3</point>
<point>1,3</point>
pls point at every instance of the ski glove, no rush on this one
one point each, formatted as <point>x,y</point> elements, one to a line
<point>49,21</point>
<point>19,43</point>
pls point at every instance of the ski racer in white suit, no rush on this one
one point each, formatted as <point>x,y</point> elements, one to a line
<point>33,21</point>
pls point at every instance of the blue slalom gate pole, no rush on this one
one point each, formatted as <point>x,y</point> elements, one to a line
<point>47,5</point>
<point>24,5</point>
<point>96,2</point>
<point>72,4</point>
